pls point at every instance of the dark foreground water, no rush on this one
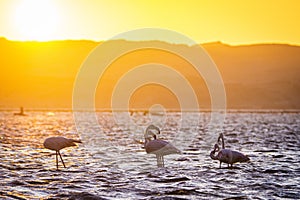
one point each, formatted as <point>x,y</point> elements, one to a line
<point>111,163</point>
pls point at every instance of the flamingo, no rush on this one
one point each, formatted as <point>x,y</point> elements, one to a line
<point>226,155</point>
<point>21,113</point>
<point>158,147</point>
<point>58,143</point>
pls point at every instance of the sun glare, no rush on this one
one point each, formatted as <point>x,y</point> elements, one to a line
<point>36,19</point>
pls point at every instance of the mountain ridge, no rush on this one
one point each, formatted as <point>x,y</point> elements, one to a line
<point>42,74</point>
<point>101,41</point>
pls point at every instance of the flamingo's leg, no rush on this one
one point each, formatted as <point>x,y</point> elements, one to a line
<point>220,164</point>
<point>61,159</point>
<point>56,159</point>
<point>160,161</point>
<point>157,160</point>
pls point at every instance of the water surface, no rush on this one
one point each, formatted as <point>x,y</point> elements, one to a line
<point>111,164</point>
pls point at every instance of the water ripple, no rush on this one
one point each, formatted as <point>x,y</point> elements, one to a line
<point>120,169</point>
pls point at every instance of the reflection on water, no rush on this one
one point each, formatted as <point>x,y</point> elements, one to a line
<point>112,163</point>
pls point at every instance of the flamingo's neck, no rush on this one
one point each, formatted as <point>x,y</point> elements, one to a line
<point>221,137</point>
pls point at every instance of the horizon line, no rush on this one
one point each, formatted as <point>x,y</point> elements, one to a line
<point>203,110</point>
<point>99,41</point>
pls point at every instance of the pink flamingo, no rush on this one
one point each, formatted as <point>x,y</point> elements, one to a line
<point>158,147</point>
<point>226,155</point>
<point>58,143</point>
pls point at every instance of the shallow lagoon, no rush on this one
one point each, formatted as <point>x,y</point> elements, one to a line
<point>111,164</point>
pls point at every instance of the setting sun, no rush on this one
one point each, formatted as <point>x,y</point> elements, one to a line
<point>36,20</point>
<point>233,22</point>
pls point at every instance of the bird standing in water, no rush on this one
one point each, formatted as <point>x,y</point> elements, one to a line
<point>226,155</point>
<point>58,143</point>
<point>156,146</point>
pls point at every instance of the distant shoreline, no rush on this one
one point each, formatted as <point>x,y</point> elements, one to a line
<point>153,112</point>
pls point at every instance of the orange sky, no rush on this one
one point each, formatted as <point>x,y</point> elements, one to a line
<point>230,21</point>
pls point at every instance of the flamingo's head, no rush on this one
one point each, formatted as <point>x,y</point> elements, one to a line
<point>149,135</point>
<point>216,148</point>
<point>212,153</point>
<point>152,127</point>
<point>151,131</point>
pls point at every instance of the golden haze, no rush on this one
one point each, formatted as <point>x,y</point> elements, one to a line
<point>41,75</point>
<point>233,22</point>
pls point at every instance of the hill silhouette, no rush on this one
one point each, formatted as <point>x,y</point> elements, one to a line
<point>41,75</point>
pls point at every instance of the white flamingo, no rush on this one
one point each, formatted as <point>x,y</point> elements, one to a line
<point>226,155</point>
<point>58,143</point>
<point>158,147</point>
